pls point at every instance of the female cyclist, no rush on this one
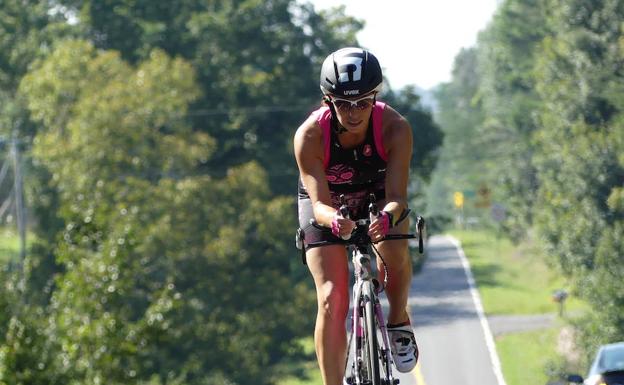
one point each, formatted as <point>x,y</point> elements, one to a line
<point>354,145</point>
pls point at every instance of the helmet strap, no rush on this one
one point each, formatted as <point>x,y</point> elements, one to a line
<point>334,118</point>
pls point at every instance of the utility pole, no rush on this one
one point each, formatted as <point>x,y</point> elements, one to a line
<point>20,213</point>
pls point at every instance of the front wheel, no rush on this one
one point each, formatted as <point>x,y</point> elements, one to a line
<point>371,344</point>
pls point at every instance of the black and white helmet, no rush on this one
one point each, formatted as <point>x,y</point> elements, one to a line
<point>350,72</point>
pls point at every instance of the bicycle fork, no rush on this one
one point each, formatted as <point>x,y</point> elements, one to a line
<point>386,354</point>
<point>357,332</point>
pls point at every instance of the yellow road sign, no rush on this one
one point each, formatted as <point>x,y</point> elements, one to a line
<point>458,199</point>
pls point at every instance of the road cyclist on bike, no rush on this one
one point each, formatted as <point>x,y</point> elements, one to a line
<point>354,146</point>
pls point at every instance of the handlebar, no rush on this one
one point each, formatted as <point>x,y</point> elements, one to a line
<point>360,237</point>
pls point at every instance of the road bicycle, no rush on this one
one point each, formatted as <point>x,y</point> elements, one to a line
<point>370,359</point>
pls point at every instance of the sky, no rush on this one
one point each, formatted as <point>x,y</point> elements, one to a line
<point>416,41</point>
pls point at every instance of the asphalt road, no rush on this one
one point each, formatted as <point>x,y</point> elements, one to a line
<point>451,330</point>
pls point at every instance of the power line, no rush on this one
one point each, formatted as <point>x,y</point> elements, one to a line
<point>250,110</point>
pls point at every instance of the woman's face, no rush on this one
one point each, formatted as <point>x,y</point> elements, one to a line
<point>353,114</point>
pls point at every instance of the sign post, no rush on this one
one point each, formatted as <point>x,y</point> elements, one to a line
<point>458,201</point>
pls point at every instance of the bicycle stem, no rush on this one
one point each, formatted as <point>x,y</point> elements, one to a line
<point>344,212</point>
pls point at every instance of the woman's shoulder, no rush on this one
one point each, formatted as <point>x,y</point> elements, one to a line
<point>393,122</point>
<point>310,130</point>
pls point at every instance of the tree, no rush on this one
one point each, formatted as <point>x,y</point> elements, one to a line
<point>508,50</point>
<point>256,61</point>
<point>27,32</point>
<point>580,165</point>
<point>460,114</point>
<point>164,266</point>
<point>427,139</point>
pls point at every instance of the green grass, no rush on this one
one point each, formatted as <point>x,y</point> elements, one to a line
<point>9,244</point>
<point>524,356</point>
<point>512,279</point>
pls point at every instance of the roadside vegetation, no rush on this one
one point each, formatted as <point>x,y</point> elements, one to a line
<point>514,279</point>
<point>526,357</point>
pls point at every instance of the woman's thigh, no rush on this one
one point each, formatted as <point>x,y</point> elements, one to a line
<point>329,268</point>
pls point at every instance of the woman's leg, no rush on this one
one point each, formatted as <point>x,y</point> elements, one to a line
<point>396,255</point>
<point>328,265</point>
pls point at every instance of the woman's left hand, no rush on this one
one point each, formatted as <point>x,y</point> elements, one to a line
<point>379,226</point>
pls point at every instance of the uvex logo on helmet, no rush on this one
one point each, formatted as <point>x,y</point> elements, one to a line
<point>350,72</point>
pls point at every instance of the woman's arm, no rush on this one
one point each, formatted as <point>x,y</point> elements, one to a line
<point>309,148</point>
<point>398,143</point>
<point>397,136</point>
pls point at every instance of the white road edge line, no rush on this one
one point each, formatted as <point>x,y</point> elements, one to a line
<point>489,338</point>
<point>417,373</point>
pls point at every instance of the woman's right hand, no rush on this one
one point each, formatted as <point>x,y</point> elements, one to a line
<point>342,227</point>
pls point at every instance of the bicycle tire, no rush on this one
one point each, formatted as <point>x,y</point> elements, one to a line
<point>370,319</point>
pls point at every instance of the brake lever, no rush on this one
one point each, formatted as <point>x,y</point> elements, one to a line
<point>373,210</point>
<point>344,212</point>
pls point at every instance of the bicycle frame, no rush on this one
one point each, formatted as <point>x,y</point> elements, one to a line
<point>363,273</point>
